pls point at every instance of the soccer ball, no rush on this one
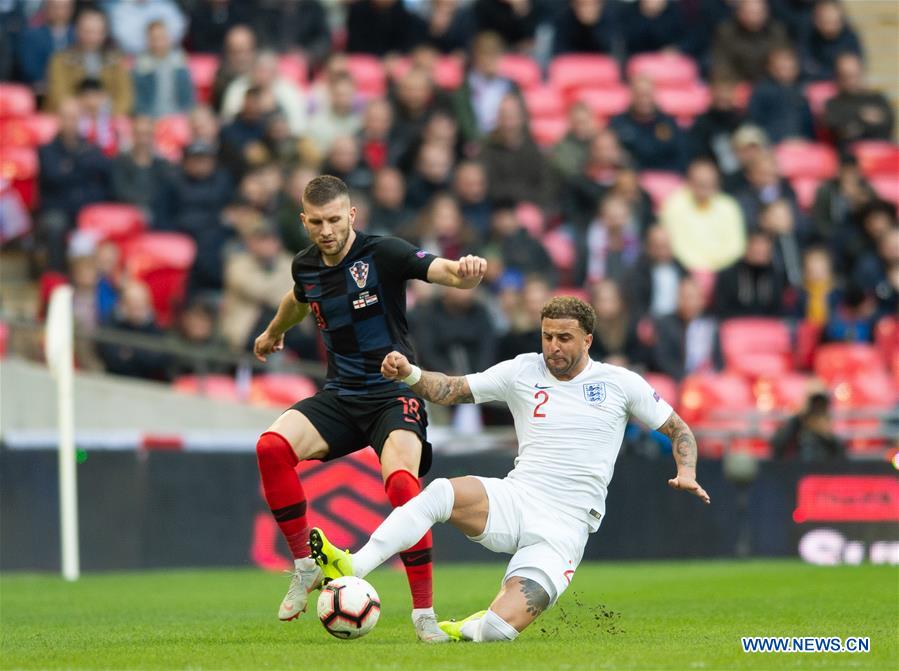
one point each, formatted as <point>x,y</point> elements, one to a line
<point>349,607</point>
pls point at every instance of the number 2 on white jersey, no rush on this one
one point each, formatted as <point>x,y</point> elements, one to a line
<point>545,397</point>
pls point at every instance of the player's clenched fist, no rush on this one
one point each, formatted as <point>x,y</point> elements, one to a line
<point>395,366</point>
<point>472,266</point>
<point>266,344</point>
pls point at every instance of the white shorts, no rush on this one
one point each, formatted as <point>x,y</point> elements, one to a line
<point>545,547</point>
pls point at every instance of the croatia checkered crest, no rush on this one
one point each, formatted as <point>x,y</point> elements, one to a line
<point>349,607</point>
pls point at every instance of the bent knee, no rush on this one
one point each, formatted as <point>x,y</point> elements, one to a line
<point>272,446</point>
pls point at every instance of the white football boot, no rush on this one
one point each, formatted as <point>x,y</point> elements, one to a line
<point>427,630</point>
<point>302,582</point>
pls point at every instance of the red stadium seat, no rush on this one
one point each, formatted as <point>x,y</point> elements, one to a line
<point>162,261</point>
<point>664,69</point>
<point>701,394</point>
<point>15,100</point>
<point>742,94</point>
<point>523,70</point>
<point>293,67</point>
<point>836,362</point>
<point>281,389</point>
<point>448,72</point>
<point>549,130</point>
<point>544,101</point>
<point>19,165</point>
<point>605,102</point>
<point>786,392</point>
<point>171,135</point>
<point>368,73</point>
<point>218,387</point>
<point>29,131</point>
<point>797,158</point>
<point>665,386</point>
<point>886,337</point>
<point>877,157</point>
<point>531,217</point>
<point>111,221</point>
<point>203,68</point>
<point>560,248</point>
<point>4,339</point>
<point>684,103</point>
<point>887,187</point>
<point>660,184</point>
<point>806,188</point>
<point>817,94</point>
<point>756,347</point>
<point>573,71</point>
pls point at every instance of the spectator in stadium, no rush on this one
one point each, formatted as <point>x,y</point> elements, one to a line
<point>432,174</point>
<point>741,46</point>
<point>856,112</point>
<point>601,169</point>
<point>73,173</point>
<point>204,125</point>
<point>162,83</point>
<point>854,318</point>
<point>389,214</point>
<point>517,168</point>
<point>129,20</point>
<point>651,283</point>
<point>97,124</point>
<point>838,201</point>
<point>588,26</point>
<point>710,136</point>
<point>293,233</point>
<point>345,162</point>
<point>140,175</point>
<point>753,286</point>
<point>382,28</point>
<point>795,15</point>
<point>861,238</point>
<point>524,334</point>
<point>238,57</point>
<point>286,26</point>
<point>12,25</point>
<point>875,271</point>
<point>339,117</point>
<point>415,100</point>
<point>210,22</point>
<point>196,194</point>
<point>612,244</point>
<point>516,247</point>
<point>702,19</point>
<point>90,304</point>
<point>818,296</point>
<point>776,219</point>
<point>515,22</point>
<point>470,189</point>
<point>653,25</point>
<point>441,229</point>
<point>829,36</point>
<point>476,102</point>
<point>685,341</point>
<point>134,314</point>
<point>809,435</point>
<point>569,155</point>
<point>706,226</point>
<point>276,93</point>
<point>261,188</point>
<point>450,26</point>
<point>257,276</point>
<point>195,333</point>
<point>778,105</point>
<point>37,44</point>
<point>241,140</point>
<point>749,143</point>
<point>627,186</point>
<point>764,186</point>
<point>374,136</point>
<point>453,330</point>
<point>88,58</point>
<point>282,146</point>
<point>615,336</point>
<point>651,137</point>
<point>439,128</point>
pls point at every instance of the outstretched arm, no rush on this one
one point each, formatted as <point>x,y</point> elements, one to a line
<point>466,273</point>
<point>290,313</point>
<point>435,387</point>
<point>683,447</point>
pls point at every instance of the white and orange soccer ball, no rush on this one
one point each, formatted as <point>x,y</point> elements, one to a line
<point>349,607</point>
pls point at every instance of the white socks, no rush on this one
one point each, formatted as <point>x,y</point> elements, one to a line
<point>405,526</point>
<point>491,627</point>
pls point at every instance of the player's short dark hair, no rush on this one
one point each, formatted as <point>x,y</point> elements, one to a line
<point>569,307</point>
<point>323,189</point>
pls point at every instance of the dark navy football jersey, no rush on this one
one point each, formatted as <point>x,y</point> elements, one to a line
<point>360,307</point>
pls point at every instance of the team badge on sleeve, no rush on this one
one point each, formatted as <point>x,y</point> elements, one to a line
<point>359,271</point>
<point>595,392</point>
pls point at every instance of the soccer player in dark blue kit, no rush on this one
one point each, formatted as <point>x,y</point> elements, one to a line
<point>354,284</point>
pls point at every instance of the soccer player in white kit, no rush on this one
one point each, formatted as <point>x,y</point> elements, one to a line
<point>570,413</point>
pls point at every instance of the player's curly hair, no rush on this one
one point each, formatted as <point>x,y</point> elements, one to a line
<point>323,189</point>
<point>569,307</point>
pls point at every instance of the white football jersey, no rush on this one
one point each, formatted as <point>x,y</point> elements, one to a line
<point>569,433</point>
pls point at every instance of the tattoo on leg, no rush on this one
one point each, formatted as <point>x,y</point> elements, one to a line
<point>536,596</point>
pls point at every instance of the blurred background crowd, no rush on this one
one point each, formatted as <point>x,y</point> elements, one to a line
<point>682,165</point>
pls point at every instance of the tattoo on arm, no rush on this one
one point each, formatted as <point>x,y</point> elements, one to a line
<point>535,595</point>
<point>443,389</point>
<point>683,444</point>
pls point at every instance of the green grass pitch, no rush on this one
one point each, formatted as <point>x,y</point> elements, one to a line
<point>640,615</point>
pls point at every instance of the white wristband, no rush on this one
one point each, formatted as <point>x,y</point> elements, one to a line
<point>413,377</point>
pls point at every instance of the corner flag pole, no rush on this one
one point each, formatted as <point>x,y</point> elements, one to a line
<point>58,348</point>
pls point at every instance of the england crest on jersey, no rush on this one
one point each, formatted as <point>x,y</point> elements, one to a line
<point>359,271</point>
<point>595,392</point>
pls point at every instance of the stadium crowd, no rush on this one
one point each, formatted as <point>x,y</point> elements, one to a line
<point>678,164</point>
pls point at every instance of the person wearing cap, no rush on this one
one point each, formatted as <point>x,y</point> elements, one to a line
<point>748,143</point>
